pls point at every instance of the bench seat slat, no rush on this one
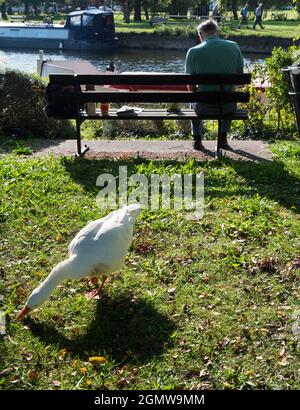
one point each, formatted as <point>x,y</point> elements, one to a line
<point>162,114</point>
<point>153,97</point>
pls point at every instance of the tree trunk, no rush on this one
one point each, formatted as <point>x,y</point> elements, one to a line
<point>145,6</point>
<point>234,9</point>
<point>202,8</point>
<point>83,4</point>
<point>3,11</point>
<point>137,10</point>
<point>126,15</point>
<point>173,10</point>
<point>26,4</point>
<point>36,13</point>
<point>128,6</point>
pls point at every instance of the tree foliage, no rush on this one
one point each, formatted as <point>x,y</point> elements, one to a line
<point>145,8</point>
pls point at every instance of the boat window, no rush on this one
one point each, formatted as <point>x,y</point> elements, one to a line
<point>75,21</point>
<point>107,22</point>
<point>87,20</point>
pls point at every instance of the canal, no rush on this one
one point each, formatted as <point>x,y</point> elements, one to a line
<point>124,59</point>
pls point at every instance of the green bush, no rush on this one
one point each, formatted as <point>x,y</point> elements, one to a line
<point>178,30</point>
<point>278,93</point>
<point>22,102</point>
<point>271,112</point>
<point>279,16</point>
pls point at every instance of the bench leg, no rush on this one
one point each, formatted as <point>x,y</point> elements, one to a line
<point>217,149</point>
<point>78,136</point>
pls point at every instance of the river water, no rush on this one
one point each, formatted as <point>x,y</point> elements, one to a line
<point>124,59</point>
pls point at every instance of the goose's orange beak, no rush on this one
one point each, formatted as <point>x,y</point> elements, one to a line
<point>23,312</point>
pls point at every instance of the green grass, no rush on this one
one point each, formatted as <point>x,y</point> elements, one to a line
<point>205,304</point>
<point>282,29</point>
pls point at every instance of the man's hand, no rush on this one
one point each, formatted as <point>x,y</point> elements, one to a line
<point>192,88</point>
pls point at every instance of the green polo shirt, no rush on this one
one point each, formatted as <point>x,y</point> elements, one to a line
<point>214,56</point>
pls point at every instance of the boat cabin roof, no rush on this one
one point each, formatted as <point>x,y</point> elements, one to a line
<point>91,12</point>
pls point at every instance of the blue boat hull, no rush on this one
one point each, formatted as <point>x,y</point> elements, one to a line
<point>56,44</point>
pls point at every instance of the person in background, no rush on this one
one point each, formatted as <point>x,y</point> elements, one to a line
<point>49,22</point>
<point>212,56</point>
<point>258,12</point>
<point>216,13</point>
<point>245,15</point>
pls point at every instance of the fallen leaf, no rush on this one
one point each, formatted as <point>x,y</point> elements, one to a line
<point>6,371</point>
<point>21,291</point>
<point>171,290</point>
<point>74,363</point>
<point>97,360</point>
<point>203,373</point>
<point>144,248</point>
<point>62,353</point>
<point>283,361</point>
<point>58,237</point>
<point>56,318</point>
<point>33,375</point>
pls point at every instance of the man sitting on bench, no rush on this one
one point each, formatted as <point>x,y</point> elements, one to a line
<point>212,56</point>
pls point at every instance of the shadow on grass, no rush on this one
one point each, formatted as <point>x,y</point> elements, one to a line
<point>270,179</point>
<point>27,146</point>
<point>127,330</point>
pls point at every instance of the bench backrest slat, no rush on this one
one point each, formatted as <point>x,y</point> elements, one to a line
<point>157,79</point>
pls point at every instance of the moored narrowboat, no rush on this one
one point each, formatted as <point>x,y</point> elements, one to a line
<point>90,29</point>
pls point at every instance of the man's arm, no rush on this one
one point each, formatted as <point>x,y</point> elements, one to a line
<point>189,70</point>
<point>240,61</point>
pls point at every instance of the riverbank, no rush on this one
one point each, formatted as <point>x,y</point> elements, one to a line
<point>249,44</point>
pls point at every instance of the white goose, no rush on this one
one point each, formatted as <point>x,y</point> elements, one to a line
<point>98,249</point>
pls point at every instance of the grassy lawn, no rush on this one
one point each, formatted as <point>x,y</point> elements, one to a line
<point>205,304</point>
<point>282,29</point>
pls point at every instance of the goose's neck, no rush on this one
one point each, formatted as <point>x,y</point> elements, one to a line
<point>46,288</point>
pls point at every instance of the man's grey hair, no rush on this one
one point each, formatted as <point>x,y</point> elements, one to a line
<point>208,26</point>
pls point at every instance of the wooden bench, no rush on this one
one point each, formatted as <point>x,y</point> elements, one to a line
<point>17,19</point>
<point>68,94</point>
<point>157,20</point>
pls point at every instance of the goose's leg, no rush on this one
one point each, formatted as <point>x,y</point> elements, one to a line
<point>96,292</point>
<point>104,279</point>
